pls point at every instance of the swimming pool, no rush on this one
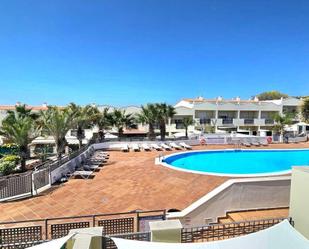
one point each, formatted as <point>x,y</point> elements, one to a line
<point>239,162</point>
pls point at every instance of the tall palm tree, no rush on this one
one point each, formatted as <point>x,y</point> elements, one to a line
<point>103,121</point>
<point>187,121</point>
<point>57,122</point>
<point>120,120</point>
<point>149,115</point>
<point>165,112</point>
<point>281,121</point>
<point>85,117</point>
<point>20,128</point>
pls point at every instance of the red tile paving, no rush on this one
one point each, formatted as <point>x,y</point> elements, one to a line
<point>128,182</point>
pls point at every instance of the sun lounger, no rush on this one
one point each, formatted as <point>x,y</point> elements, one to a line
<point>175,146</point>
<point>255,142</point>
<point>135,147</point>
<point>90,167</point>
<point>264,142</point>
<point>82,173</point>
<point>186,146</point>
<point>125,148</point>
<point>165,146</point>
<point>146,147</point>
<point>156,147</point>
<point>246,143</point>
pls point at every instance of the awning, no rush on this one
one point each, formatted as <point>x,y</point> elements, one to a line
<point>280,236</point>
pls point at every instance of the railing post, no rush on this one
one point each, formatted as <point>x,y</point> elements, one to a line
<point>46,229</point>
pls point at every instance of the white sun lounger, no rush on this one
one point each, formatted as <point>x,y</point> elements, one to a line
<point>246,143</point>
<point>255,142</point>
<point>186,146</point>
<point>82,173</point>
<point>156,147</point>
<point>146,147</point>
<point>264,142</point>
<point>135,147</point>
<point>125,148</point>
<point>175,146</point>
<point>165,146</point>
<point>90,167</point>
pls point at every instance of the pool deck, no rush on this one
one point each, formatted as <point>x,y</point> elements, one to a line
<point>129,181</point>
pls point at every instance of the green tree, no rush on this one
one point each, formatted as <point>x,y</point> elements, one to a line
<point>85,117</point>
<point>165,112</point>
<point>149,115</point>
<point>20,127</point>
<point>281,121</point>
<point>271,95</point>
<point>305,110</point>
<point>187,121</point>
<point>57,122</point>
<point>120,120</point>
<point>103,121</point>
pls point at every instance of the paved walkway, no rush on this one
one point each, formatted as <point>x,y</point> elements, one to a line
<point>130,181</point>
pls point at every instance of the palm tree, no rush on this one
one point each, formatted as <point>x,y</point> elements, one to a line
<point>187,121</point>
<point>165,112</point>
<point>149,115</point>
<point>120,120</point>
<point>57,122</point>
<point>20,128</point>
<point>305,110</point>
<point>84,118</point>
<point>281,121</point>
<point>103,121</point>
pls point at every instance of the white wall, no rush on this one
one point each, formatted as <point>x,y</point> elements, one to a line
<point>299,204</point>
<point>235,195</point>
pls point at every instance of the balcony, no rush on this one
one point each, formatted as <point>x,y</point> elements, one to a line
<point>249,121</point>
<point>204,121</point>
<point>269,121</point>
<point>227,121</point>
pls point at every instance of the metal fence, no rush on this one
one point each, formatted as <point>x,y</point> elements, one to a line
<point>225,231</point>
<point>26,233</point>
<point>31,182</point>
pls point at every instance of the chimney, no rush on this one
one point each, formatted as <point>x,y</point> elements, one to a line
<point>18,103</point>
<point>44,104</point>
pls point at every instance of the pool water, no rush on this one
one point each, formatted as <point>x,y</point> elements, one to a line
<point>239,162</point>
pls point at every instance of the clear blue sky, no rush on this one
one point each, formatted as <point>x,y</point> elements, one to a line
<point>123,52</point>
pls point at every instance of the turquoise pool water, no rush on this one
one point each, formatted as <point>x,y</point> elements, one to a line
<point>243,162</point>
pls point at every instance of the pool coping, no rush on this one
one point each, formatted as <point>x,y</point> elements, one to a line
<point>277,173</point>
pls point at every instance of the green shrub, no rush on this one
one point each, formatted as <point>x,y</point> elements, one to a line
<point>6,149</point>
<point>7,167</point>
<point>10,158</point>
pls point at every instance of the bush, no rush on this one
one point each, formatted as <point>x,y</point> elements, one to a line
<point>11,158</point>
<point>7,167</point>
<point>6,149</point>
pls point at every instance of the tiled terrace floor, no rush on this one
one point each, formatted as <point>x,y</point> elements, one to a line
<point>128,182</point>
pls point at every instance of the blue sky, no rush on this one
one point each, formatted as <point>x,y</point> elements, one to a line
<point>123,52</point>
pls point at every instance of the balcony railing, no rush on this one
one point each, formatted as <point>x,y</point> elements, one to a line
<point>227,121</point>
<point>269,121</point>
<point>205,121</point>
<point>249,121</point>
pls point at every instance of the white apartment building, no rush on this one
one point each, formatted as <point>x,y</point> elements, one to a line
<point>232,115</point>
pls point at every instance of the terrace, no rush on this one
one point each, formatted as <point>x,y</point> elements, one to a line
<point>128,182</point>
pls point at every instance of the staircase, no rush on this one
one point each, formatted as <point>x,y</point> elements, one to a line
<point>249,215</point>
